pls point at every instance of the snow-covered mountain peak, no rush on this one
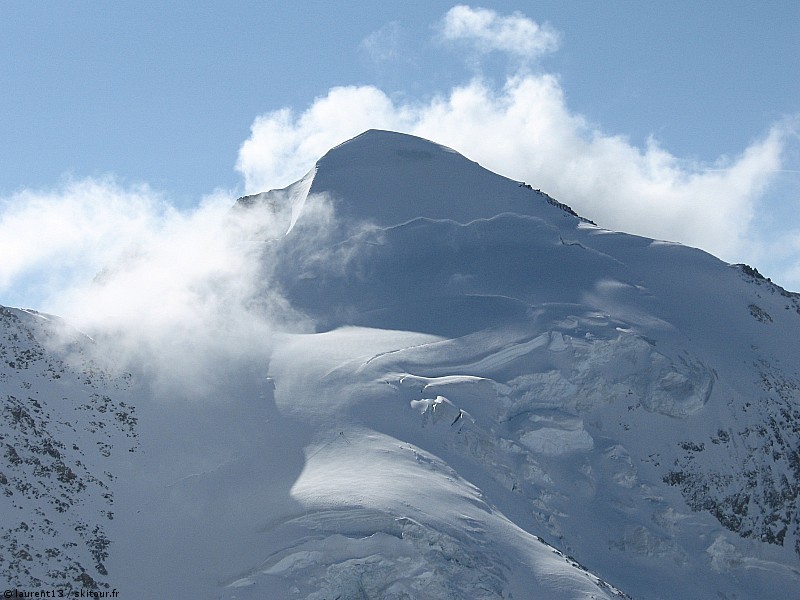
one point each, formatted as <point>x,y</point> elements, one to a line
<point>495,400</point>
<point>388,178</point>
<point>376,146</point>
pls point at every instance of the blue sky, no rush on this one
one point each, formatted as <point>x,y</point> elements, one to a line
<point>676,120</point>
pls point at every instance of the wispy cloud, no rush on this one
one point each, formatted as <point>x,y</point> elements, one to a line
<point>69,231</point>
<point>177,294</point>
<point>485,31</point>
<point>384,44</point>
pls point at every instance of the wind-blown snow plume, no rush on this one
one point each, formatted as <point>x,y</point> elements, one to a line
<point>523,128</point>
<point>176,292</point>
<point>62,233</point>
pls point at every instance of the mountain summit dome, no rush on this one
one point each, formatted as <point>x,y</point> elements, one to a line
<point>390,178</point>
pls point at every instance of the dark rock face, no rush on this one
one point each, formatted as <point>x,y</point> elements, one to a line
<point>755,490</point>
<point>59,427</point>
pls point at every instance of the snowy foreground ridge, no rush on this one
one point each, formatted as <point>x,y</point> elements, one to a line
<point>491,397</point>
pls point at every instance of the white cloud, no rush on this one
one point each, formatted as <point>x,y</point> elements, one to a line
<point>384,44</point>
<point>177,294</point>
<point>526,131</point>
<point>486,31</point>
<point>66,231</point>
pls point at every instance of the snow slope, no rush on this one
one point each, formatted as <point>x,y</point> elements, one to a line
<point>608,375</point>
<point>500,400</point>
<point>66,424</point>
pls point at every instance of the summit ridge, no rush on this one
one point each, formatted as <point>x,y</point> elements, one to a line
<point>388,178</point>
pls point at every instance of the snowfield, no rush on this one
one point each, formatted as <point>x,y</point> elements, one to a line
<point>497,399</point>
